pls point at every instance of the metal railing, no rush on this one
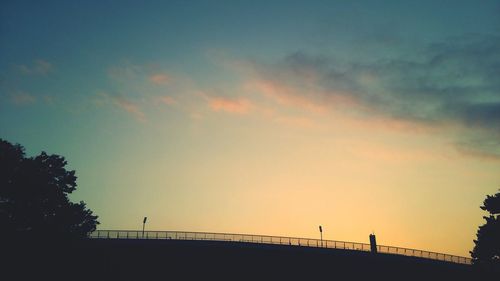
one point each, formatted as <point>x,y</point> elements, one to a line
<point>277,240</point>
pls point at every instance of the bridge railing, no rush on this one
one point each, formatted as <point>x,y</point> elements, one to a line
<point>278,240</point>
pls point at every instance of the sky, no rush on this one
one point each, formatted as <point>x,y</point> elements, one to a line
<point>264,117</point>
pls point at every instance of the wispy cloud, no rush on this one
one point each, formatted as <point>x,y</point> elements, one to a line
<point>159,78</point>
<point>135,84</point>
<point>129,107</point>
<point>283,94</point>
<point>125,71</point>
<point>305,96</point>
<point>142,80</point>
<point>38,67</point>
<point>236,106</point>
<point>451,82</point>
<point>456,80</point>
<point>22,98</point>
<point>483,149</point>
<point>167,100</point>
<point>133,108</point>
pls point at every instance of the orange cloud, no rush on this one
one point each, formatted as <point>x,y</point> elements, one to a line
<point>159,78</point>
<point>340,106</point>
<point>238,106</point>
<point>306,97</point>
<point>284,95</point>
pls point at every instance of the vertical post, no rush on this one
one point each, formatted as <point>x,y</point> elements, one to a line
<point>144,225</point>
<point>373,244</point>
<point>321,234</point>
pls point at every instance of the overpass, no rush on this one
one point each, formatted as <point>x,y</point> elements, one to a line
<point>275,240</point>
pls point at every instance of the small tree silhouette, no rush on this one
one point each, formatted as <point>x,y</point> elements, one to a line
<point>487,249</point>
<point>34,197</point>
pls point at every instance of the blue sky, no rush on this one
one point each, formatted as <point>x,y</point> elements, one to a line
<point>202,114</point>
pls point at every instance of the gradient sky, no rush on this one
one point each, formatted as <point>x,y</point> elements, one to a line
<point>264,117</point>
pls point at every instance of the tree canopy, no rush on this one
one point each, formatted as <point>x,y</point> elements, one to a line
<point>487,245</point>
<point>34,196</point>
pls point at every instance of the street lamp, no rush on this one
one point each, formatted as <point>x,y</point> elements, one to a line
<point>144,225</point>
<point>321,233</point>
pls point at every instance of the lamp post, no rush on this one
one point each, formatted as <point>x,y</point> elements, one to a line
<point>321,234</point>
<point>144,225</point>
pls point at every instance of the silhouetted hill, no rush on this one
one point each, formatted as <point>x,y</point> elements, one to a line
<point>211,260</point>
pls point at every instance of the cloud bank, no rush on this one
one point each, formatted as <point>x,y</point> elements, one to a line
<point>454,82</point>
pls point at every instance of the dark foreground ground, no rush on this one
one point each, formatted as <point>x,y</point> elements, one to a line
<point>209,260</point>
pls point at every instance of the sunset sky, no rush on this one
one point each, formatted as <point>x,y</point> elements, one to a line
<point>264,117</point>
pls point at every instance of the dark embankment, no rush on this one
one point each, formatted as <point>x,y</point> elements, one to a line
<point>209,260</point>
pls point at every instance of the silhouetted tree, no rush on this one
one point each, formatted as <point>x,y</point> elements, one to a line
<point>34,197</point>
<point>487,248</point>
